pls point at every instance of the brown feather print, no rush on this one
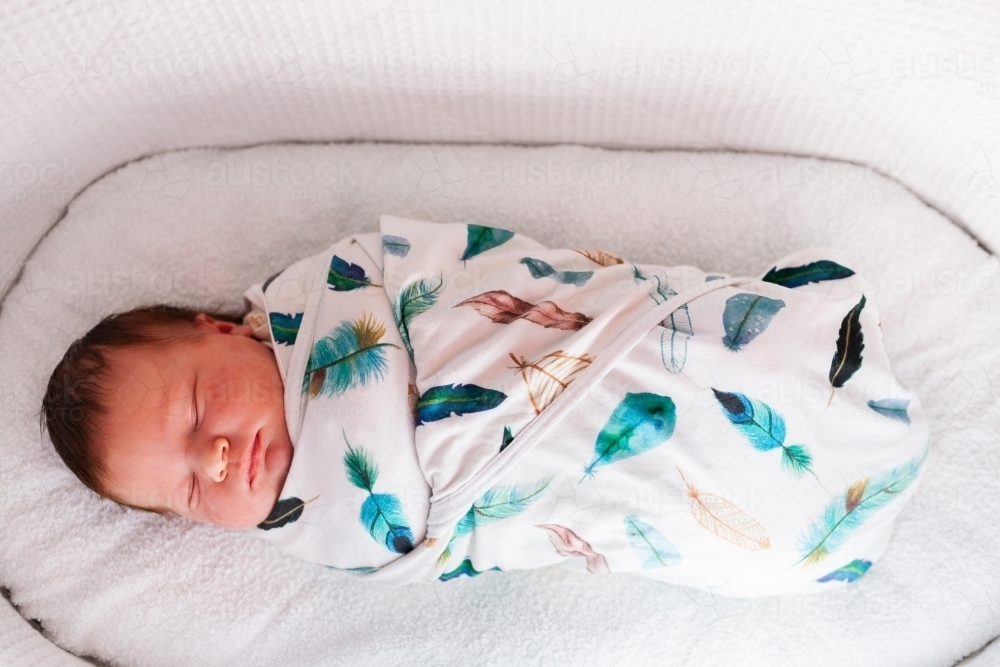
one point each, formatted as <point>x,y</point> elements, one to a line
<point>548,376</point>
<point>504,308</point>
<point>602,257</point>
<point>568,543</point>
<point>726,520</point>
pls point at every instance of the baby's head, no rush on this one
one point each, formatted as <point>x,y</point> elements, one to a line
<point>160,409</point>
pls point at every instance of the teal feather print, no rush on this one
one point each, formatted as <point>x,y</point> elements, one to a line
<point>814,272</point>
<point>345,277</point>
<point>480,238</point>
<point>285,511</point>
<point>465,569</point>
<point>413,299</point>
<point>285,328</point>
<point>851,508</point>
<point>508,437</point>
<point>381,513</point>
<point>678,328</point>
<point>349,357</point>
<point>746,316</point>
<point>540,269</point>
<point>893,408</point>
<point>395,245</point>
<point>850,572</point>
<point>638,423</point>
<point>712,277</point>
<point>498,503</point>
<point>442,401</point>
<point>649,545</point>
<point>764,429</point>
<point>850,342</point>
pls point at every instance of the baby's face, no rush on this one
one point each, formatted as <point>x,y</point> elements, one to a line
<point>197,427</point>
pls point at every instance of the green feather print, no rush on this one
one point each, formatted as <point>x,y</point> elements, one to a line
<point>413,299</point>
<point>851,508</point>
<point>465,569</point>
<point>498,503</point>
<point>746,316</point>
<point>539,269</point>
<point>381,513</point>
<point>764,429</point>
<point>638,423</point>
<point>649,545</point>
<point>508,438</point>
<point>349,357</point>
<point>285,328</point>
<point>480,238</point>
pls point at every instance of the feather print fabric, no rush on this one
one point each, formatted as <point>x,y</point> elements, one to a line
<point>453,412</point>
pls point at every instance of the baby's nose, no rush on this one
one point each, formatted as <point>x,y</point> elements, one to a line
<point>218,459</point>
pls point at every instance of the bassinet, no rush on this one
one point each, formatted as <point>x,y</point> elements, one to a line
<point>908,93</point>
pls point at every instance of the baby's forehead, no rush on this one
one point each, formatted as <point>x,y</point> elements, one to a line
<point>150,376</point>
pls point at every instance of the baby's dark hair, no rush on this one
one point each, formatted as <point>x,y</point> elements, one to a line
<point>77,396</point>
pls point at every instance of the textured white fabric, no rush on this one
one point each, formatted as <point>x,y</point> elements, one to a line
<point>911,89</point>
<point>122,586</point>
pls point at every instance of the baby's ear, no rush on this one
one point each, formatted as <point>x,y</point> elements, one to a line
<point>206,322</point>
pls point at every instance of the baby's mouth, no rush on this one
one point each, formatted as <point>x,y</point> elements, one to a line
<point>253,462</point>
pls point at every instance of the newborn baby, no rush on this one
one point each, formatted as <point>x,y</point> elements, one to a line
<point>460,398</point>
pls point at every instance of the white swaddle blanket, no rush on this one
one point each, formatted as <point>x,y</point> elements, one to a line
<point>461,398</point>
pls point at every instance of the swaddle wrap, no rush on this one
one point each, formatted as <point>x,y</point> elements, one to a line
<point>461,398</point>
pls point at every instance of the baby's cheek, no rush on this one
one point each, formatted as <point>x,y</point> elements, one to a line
<point>263,390</point>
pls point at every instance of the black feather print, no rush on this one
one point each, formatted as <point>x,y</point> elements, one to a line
<point>850,342</point>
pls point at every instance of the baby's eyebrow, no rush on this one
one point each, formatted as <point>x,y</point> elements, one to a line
<point>194,399</point>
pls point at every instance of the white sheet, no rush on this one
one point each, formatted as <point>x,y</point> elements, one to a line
<point>140,589</point>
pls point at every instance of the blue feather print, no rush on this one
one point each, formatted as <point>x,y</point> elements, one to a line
<point>381,513</point>
<point>746,316</point>
<point>849,573</point>
<point>345,277</point>
<point>395,245</point>
<point>540,269</point>
<point>893,408</point>
<point>851,508</point>
<point>764,429</point>
<point>442,401</point>
<point>348,357</point>
<point>649,545</point>
<point>678,329</point>
<point>638,423</point>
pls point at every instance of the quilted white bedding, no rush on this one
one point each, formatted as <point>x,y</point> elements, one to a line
<point>138,589</point>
